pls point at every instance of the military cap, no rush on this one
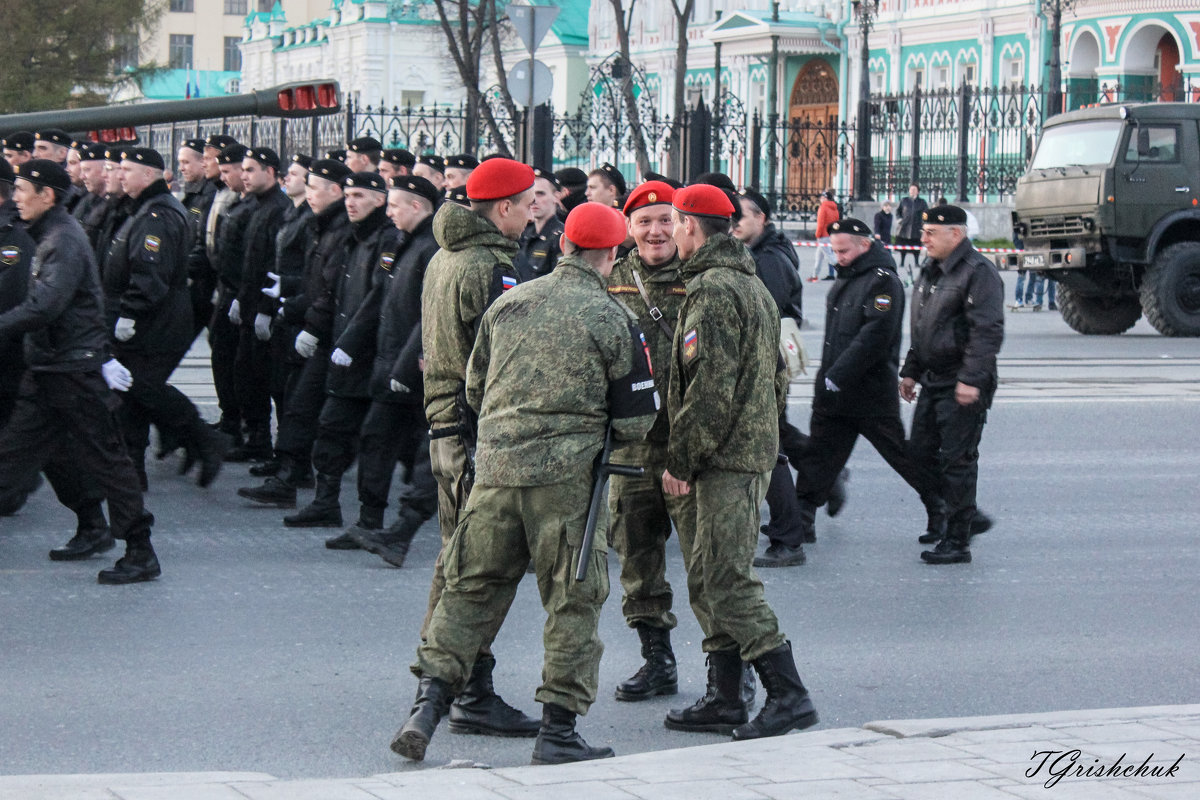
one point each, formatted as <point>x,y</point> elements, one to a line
<point>703,200</point>
<point>650,193</point>
<point>852,226</point>
<point>44,172</point>
<point>499,178</point>
<point>758,200</point>
<point>945,215</point>
<point>330,169</point>
<point>571,176</point>
<point>193,144</point>
<point>546,174</point>
<point>366,180</point>
<point>364,144</point>
<point>21,140</point>
<point>458,195</point>
<point>302,160</point>
<point>145,156</point>
<point>434,162</point>
<point>219,141</point>
<point>6,171</point>
<point>400,157</point>
<point>419,187</point>
<point>265,156</point>
<point>718,179</point>
<point>91,152</point>
<point>655,176</point>
<point>595,226</point>
<point>54,136</point>
<point>614,176</point>
<point>462,162</point>
<point>233,154</point>
<point>336,155</point>
<point>114,154</point>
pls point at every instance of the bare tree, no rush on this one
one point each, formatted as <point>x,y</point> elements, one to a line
<point>683,16</point>
<point>624,24</point>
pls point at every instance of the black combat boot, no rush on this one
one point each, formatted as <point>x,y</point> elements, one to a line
<point>780,555</point>
<point>433,696</point>
<point>209,448</point>
<point>138,564</point>
<point>955,548</point>
<point>721,709</point>
<point>265,469</point>
<point>837,494</point>
<point>656,676</point>
<point>935,514</point>
<point>558,743</point>
<point>231,428</point>
<point>478,709</point>
<point>392,543</point>
<point>808,521</point>
<point>788,706</point>
<point>275,492</point>
<point>324,511</point>
<point>370,520</point>
<point>92,535</point>
<point>257,446</point>
<point>749,687</point>
<point>980,523</point>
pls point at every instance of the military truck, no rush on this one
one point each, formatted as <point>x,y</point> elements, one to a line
<point>1110,208</point>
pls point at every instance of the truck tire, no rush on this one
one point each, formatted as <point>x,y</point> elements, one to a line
<point>1171,290</point>
<point>1098,316</point>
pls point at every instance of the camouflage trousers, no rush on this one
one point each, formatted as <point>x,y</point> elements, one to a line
<point>718,539</point>
<point>641,524</point>
<point>500,530</point>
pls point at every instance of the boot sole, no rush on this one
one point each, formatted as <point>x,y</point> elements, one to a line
<point>467,728</point>
<point>411,745</point>
<point>100,548</point>
<point>382,552</point>
<point>938,562</point>
<point>141,577</point>
<point>543,762</point>
<point>679,726</point>
<point>780,562</point>
<point>330,523</point>
<point>632,697</point>
<point>269,503</point>
<point>806,721</point>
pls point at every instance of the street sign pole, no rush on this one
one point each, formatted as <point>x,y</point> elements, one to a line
<point>532,23</point>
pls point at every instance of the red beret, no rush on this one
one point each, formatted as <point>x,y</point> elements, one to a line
<point>595,226</point>
<point>648,194</point>
<point>703,200</point>
<point>498,178</point>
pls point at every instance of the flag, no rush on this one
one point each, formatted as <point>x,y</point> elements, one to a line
<point>187,85</point>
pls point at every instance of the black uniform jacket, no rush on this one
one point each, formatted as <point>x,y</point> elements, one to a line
<point>259,253</point>
<point>116,211</point>
<point>231,243</point>
<point>291,246</point>
<point>356,309</point>
<point>957,321</point>
<point>398,345</point>
<point>198,201</point>
<point>16,254</point>
<point>62,315</point>
<point>539,251</point>
<point>778,268</point>
<point>145,275</point>
<point>864,318</point>
<point>313,306</point>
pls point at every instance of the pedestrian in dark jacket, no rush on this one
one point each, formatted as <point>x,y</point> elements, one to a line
<point>908,226</point>
<point>883,223</point>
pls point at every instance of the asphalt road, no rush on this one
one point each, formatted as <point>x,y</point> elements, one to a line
<point>260,650</point>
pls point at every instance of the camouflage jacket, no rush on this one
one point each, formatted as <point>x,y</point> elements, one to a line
<point>724,397</point>
<point>472,269</point>
<point>556,359</point>
<point>665,289</point>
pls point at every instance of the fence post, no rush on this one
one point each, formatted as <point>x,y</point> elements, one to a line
<point>284,155</point>
<point>350,120</point>
<point>698,142</point>
<point>914,167</point>
<point>964,135</point>
<point>755,150</point>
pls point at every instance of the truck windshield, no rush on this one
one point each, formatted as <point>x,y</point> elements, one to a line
<point>1078,144</point>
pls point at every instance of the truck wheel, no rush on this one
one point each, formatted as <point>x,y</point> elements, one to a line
<point>1098,316</point>
<point>1171,290</point>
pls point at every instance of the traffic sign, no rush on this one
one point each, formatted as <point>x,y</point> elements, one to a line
<point>530,82</point>
<point>532,23</point>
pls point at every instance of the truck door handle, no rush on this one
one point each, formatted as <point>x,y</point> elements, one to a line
<point>1183,189</point>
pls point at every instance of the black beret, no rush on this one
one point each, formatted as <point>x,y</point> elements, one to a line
<point>6,171</point>
<point>400,157</point>
<point>233,154</point>
<point>458,195</point>
<point>571,176</point>
<point>490,156</point>
<point>336,155</point>
<point>718,179</point>
<point>366,180</point>
<point>547,175</point>
<point>945,215</point>
<point>418,186</point>
<point>44,172</point>
<point>615,176</point>
<point>302,160</point>
<point>54,136</point>
<point>219,141</point>
<point>265,156</point>
<point>850,225</point>
<point>21,140</point>
<point>91,152</point>
<point>364,144</point>
<point>193,144</point>
<point>114,153</point>
<point>758,200</point>
<point>331,169</point>
<point>434,162</point>
<point>145,156</point>
<point>655,176</point>
<point>462,162</point>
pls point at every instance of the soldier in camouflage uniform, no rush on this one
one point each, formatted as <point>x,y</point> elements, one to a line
<point>557,364</point>
<point>726,391</point>
<point>473,268</point>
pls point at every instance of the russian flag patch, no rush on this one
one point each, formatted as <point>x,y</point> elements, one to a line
<point>507,282</point>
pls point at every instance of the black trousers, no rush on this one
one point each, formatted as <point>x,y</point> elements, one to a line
<point>53,406</point>
<point>223,338</point>
<point>914,254</point>
<point>832,439</point>
<point>945,439</point>
<point>252,376</point>
<point>393,432</point>
<point>286,365</point>
<point>152,400</point>
<point>201,291</point>
<point>338,430</point>
<point>302,412</point>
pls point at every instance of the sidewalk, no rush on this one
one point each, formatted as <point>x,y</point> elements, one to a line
<point>966,758</point>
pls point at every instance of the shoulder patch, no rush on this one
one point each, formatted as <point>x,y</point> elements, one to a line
<point>9,255</point>
<point>691,344</point>
<point>507,282</point>
<point>883,302</point>
<point>153,243</point>
<point>386,260</point>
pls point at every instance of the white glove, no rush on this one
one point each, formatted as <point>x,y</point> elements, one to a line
<point>262,326</point>
<point>341,358</point>
<point>124,329</point>
<point>273,290</point>
<point>399,387</point>
<point>118,378</point>
<point>829,385</point>
<point>306,344</point>
<point>235,313</point>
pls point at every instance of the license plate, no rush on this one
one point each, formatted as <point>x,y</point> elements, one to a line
<point>1033,261</point>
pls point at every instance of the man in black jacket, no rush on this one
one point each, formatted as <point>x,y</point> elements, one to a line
<point>957,330</point>
<point>198,193</point>
<point>64,393</point>
<point>395,426</point>
<point>909,218</point>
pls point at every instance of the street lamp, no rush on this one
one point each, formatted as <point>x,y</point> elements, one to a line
<point>865,11</point>
<point>1055,9</point>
